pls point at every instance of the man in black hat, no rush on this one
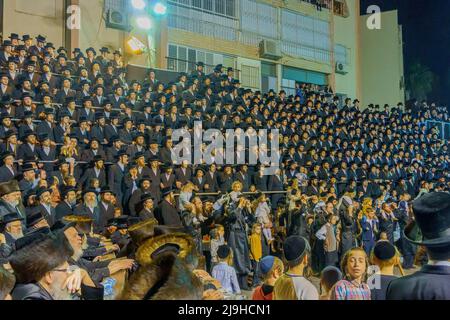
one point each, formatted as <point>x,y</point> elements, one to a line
<point>167,213</point>
<point>67,204</point>
<point>47,126</point>
<point>183,174</point>
<point>94,149</point>
<point>10,201</point>
<point>103,57</point>
<point>95,171</point>
<point>7,170</point>
<point>47,279</point>
<point>199,71</point>
<point>66,91</point>
<point>87,110</point>
<point>431,229</point>
<point>12,228</point>
<point>116,175</point>
<point>6,52</point>
<point>6,88</point>
<point>147,204</point>
<point>82,132</point>
<point>43,195</point>
<point>112,129</point>
<point>29,180</point>
<point>135,203</point>
<point>38,49</point>
<point>106,206</point>
<point>90,208</point>
<point>98,130</point>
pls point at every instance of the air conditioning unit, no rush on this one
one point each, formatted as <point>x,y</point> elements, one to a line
<point>117,19</point>
<point>269,49</point>
<point>341,67</point>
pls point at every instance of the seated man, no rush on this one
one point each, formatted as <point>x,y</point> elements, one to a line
<point>11,225</point>
<point>41,269</point>
<point>97,271</point>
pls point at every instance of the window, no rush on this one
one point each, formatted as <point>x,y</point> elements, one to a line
<point>222,7</point>
<point>250,77</point>
<point>183,59</point>
<point>340,54</point>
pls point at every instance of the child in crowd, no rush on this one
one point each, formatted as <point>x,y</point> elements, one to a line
<point>328,233</point>
<point>328,278</point>
<point>255,241</point>
<point>270,268</point>
<point>224,272</point>
<point>385,256</point>
<point>354,265</point>
<point>262,214</point>
<point>217,240</point>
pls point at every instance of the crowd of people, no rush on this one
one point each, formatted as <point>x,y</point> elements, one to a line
<point>92,205</point>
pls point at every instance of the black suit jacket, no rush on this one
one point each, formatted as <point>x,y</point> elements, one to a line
<point>430,283</point>
<point>62,210</point>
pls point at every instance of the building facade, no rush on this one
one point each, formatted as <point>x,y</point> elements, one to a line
<point>272,44</point>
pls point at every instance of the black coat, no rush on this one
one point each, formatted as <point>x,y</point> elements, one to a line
<point>30,291</point>
<point>430,283</point>
<point>169,215</point>
<point>62,210</point>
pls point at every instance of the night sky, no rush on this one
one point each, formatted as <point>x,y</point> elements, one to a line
<point>426,36</point>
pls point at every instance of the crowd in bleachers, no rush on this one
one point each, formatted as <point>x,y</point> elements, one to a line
<point>89,191</point>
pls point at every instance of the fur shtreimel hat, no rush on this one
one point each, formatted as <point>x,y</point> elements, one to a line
<point>142,231</point>
<point>167,277</point>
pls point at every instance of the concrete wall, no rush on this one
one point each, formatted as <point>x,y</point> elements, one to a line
<point>23,17</point>
<point>346,33</point>
<point>382,61</point>
<point>94,33</point>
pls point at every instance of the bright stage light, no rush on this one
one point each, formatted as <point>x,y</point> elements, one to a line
<point>144,23</point>
<point>138,4</point>
<point>160,9</point>
<point>136,45</point>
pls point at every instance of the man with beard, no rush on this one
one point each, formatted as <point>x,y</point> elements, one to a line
<point>12,228</point>
<point>147,207</point>
<point>7,170</point>
<point>94,150</point>
<point>167,213</point>
<point>10,200</point>
<point>97,171</point>
<point>135,200</point>
<point>66,206</point>
<point>29,148</point>
<point>45,205</point>
<point>41,269</point>
<point>138,147</point>
<point>97,271</point>
<point>90,208</point>
<point>106,206</point>
<point>116,175</point>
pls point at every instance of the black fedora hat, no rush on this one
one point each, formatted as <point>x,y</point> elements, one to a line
<point>431,227</point>
<point>145,197</point>
<point>11,217</point>
<point>166,191</point>
<point>6,99</point>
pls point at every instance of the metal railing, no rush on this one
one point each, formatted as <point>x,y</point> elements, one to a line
<point>444,131</point>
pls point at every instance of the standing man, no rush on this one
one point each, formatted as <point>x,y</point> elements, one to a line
<point>431,229</point>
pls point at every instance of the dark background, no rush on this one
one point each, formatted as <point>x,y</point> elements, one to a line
<point>426,37</point>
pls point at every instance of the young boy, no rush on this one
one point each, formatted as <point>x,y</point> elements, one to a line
<point>328,278</point>
<point>217,240</point>
<point>255,244</point>
<point>224,272</point>
<point>271,268</point>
